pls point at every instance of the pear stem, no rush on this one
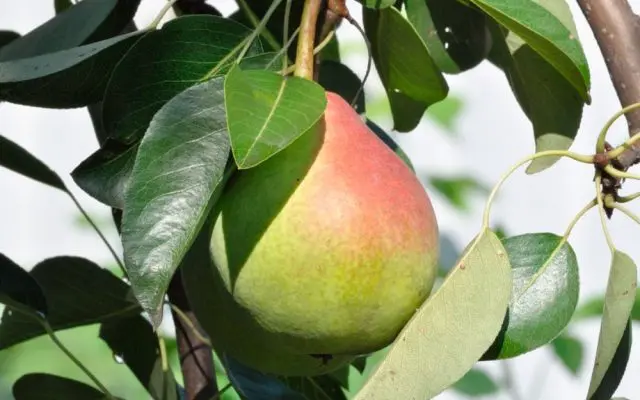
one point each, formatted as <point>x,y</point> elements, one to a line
<point>307,38</point>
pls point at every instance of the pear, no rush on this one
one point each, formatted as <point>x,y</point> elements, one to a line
<point>321,253</point>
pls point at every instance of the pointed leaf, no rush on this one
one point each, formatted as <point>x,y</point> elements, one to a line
<point>616,369</point>
<point>133,341</point>
<point>180,163</point>
<point>78,292</point>
<point>183,53</point>
<point>541,29</point>
<point>619,299</point>
<point>267,111</point>
<point>40,386</point>
<point>455,34</point>
<point>552,105</point>
<point>338,78</point>
<point>454,326</point>
<point>18,289</point>
<point>105,175</point>
<point>18,159</point>
<point>476,383</point>
<point>570,351</point>
<point>545,293</point>
<point>7,37</point>
<point>86,22</point>
<point>51,80</point>
<point>410,77</point>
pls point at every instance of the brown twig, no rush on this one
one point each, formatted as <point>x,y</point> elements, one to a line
<point>306,39</point>
<point>617,31</point>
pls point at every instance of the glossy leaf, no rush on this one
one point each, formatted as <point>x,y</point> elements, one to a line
<point>473,298</point>
<point>545,293</point>
<point>86,22</point>
<point>78,293</point>
<point>133,341</point>
<point>18,289</point>
<point>541,29</point>
<point>19,160</point>
<point>179,165</point>
<point>338,78</point>
<point>455,34</point>
<point>39,386</point>
<point>410,77</point>
<point>105,175</point>
<point>22,81</point>
<point>552,105</point>
<point>570,351</point>
<point>616,369</point>
<point>619,299</point>
<point>476,383</point>
<point>267,111</point>
<point>457,190</point>
<point>7,37</point>
<point>183,53</point>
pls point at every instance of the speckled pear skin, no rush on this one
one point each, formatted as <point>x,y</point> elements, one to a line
<point>328,247</point>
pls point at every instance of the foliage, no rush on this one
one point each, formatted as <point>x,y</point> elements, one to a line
<point>181,108</point>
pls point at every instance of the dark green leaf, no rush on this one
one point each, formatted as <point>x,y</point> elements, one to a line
<point>61,5</point>
<point>547,98</point>
<point>338,78</point>
<point>51,80</point>
<point>473,298</point>
<point>38,386</point>
<point>615,372</point>
<point>7,37</point>
<point>570,351</point>
<point>133,341</point>
<point>78,292</point>
<point>86,22</point>
<point>255,385</point>
<point>545,293</point>
<point>316,387</point>
<point>18,289</point>
<point>457,190</point>
<point>18,159</point>
<point>184,52</point>
<point>476,383</point>
<point>280,109</point>
<point>411,79</point>
<point>619,299</point>
<point>377,3</point>
<point>180,163</point>
<point>540,26</point>
<point>384,136</point>
<point>455,34</point>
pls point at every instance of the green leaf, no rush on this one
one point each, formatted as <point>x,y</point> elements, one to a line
<point>377,3</point>
<point>86,22</point>
<point>133,341</point>
<point>18,289</point>
<point>476,383</point>
<point>594,307</point>
<point>454,326</point>
<point>619,299</point>
<point>446,112</point>
<point>552,105</point>
<point>316,387</point>
<point>457,190</point>
<point>410,77</point>
<point>266,112</point>
<point>39,386</point>
<point>61,5</point>
<point>455,34</point>
<point>183,53</point>
<point>570,351</point>
<point>384,136</point>
<point>338,78</point>
<point>51,80</point>
<point>541,28</point>
<point>78,292</point>
<point>615,372</point>
<point>19,160</point>
<point>7,37</point>
<point>545,293</point>
<point>179,165</point>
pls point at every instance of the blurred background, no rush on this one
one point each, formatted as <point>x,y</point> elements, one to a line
<point>460,149</point>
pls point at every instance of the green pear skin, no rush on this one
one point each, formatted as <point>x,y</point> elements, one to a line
<point>326,248</point>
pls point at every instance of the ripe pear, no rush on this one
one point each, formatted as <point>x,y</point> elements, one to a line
<point>319,254</point>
